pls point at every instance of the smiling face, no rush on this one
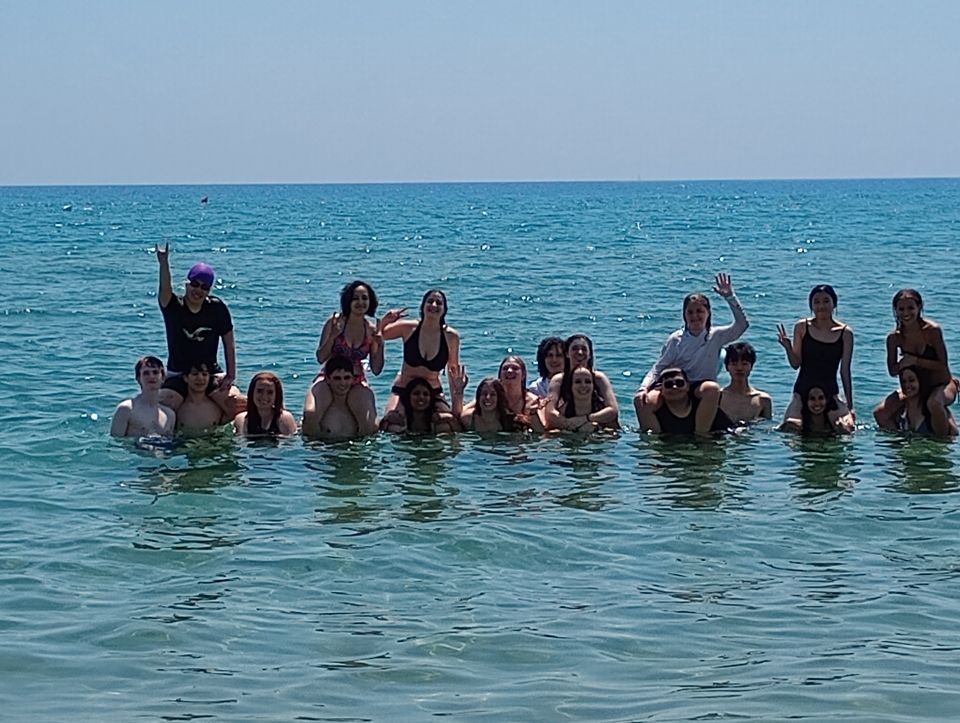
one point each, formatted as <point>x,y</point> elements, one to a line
<point>150,376</point>
<point>578,352</point>
<point>674,387</point>
<point>197,290</point>
<point>341,381</point>
<point>553,359</point>
<point>909,383</point>
<point>511,371</point>
<point>197,379</point>
<point>434,305</point>
<point>816,401</point>
<point>907,310</point>
<point>695,316</point>
<point>822,305</point>
<point>360,301</point>
<point>420,398</point>
<point>487,397</point>
<point>265,394</point>
<point>582,383</point>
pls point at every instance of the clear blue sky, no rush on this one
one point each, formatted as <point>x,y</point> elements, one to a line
<point>102,91</point>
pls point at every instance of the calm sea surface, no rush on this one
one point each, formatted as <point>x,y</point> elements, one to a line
<point>757,577</point>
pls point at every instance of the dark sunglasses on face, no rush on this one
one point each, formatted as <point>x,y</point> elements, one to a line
<point>677,383</point>
<point>199,285</point>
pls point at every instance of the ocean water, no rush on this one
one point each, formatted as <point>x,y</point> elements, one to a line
<point>758,577</point>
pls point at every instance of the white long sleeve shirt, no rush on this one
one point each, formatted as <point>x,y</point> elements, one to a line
<point>698,354</point>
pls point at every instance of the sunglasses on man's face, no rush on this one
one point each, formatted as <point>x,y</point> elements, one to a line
<point>199,285</point>
<point>674,383</point>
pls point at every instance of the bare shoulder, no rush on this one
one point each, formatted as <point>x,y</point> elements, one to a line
<point>847,331</point>
<point>452,334</point>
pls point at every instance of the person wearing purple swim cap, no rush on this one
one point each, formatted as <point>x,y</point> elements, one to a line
<point>196,323</point>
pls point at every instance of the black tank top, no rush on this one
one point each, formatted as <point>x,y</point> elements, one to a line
<point>413,357</point>
<point>819,362</point>
<point>672,424</point>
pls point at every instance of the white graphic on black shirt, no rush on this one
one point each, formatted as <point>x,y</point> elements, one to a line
<point>196,334</point>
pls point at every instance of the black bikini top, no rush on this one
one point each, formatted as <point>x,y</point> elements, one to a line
<point>413,357</point>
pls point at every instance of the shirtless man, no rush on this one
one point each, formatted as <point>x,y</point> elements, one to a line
<point>339,421</point>
<point>740,401</point>
<point>144,415</point>
<point>200,412</point>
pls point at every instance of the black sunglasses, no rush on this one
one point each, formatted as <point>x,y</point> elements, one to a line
<point>678,383</point>
<point>199,285</point>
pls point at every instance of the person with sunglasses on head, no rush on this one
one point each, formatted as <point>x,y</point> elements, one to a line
<point>680,410</point>
<point>196,323</point>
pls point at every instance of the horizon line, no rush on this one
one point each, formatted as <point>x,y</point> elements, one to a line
<point>477,182</point>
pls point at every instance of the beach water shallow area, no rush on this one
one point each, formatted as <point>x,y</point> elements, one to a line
<point>757,576</point>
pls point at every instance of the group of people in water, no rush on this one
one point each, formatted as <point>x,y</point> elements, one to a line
<point>679,395</point>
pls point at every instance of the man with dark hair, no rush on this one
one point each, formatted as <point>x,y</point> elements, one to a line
<point>198,412</point>
<point>144,415</point>
<point>739,400</point>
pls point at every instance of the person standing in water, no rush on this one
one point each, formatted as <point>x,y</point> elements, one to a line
<point>739,400</point>
<point>144,415</point>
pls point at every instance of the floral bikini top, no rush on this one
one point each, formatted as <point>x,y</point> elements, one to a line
<point>356,354</point>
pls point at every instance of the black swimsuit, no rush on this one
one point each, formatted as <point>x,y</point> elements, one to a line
<point>413,357</point>
<point>819,361</point>
<point>670,423</point>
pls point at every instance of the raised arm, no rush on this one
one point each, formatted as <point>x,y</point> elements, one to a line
<point>792,348</point>
<point>332,327</point>
<point>393,325</point>
<point>724,287</point>
<point>376,349</point>
<point>165,292</point>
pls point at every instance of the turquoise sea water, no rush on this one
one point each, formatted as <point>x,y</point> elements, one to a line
<point>757,577</point>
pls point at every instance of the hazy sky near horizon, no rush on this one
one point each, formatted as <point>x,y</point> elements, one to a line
<point>111,91</point>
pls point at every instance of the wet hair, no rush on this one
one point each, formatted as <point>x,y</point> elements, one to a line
<point>504,416</point>
<point>423,304</point>
<point>805,416</point>
<point>920,382</point>
<point>566,349</point>
<point>908,294</point>
<point>739,351</point>
<point>146,361</point>
<point>337,362</point>
<point>542,350</point>
<point>200,366</point>
<point>597,402</point>
<point>408,410</point>
<point>254,422</point>
<point>822,289</point>
<point>346,298</point>
<point>697,298</point>
<point>523,369</point>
